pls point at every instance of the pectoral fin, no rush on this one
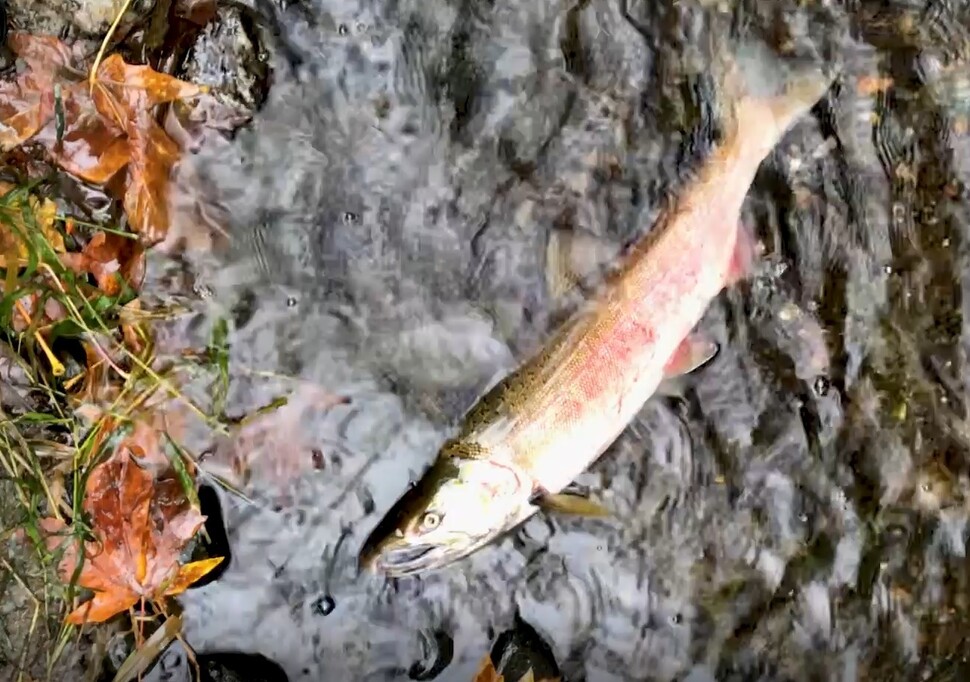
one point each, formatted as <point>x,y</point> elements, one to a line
<point>694,352</point>
<point>568,503</point>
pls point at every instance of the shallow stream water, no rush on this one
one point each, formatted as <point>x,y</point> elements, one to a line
<point>799,513</point>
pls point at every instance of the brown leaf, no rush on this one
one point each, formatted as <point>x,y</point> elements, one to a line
<point>127,95</point>
<point>27,103</point>
<point>108,257</point>
<point>91,147</point>
<point>139,533</point>
<point>138,88</point>
<point>145,444</point>
<point>153,154</point>
<point>41,52</point>
<point>106,127</point>
<point>96,387</point>
<point>135,331</point>
<point>199,12</point>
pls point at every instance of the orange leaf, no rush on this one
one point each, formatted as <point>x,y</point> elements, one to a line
<point>127,95</point>
<point>91,147</point>
<point>101,607</point>
<point>109,257</point>
<point>141,525</point>
<point>140,88</point>
<point>872,85</point>
<point>27,104</point>
<point>153,154</point>
<point>487,672</point>
<point>189,573</point>
<point>41,52</point>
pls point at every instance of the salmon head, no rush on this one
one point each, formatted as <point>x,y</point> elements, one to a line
<point>459,505</point>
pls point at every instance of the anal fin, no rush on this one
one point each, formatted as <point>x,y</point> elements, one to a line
<point>747,251</point>
<point>694,352</point>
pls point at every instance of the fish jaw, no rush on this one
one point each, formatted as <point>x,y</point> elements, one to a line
<point>456,508</point>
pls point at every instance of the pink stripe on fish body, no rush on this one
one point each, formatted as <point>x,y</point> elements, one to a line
<point>647,310</point>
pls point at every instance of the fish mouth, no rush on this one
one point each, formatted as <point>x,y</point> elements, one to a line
<point>397,562</point>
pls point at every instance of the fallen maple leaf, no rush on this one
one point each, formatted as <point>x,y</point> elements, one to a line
<point>90,147</point>
<point>106,126</point>
<point>27,103</point>
<point>139,534</point>
<point>128,94</point>
<point>111,258</point>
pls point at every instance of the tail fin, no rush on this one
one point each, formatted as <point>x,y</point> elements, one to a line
<point>766,96</point>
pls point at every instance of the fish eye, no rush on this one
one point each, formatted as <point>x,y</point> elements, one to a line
<point>430,521</point>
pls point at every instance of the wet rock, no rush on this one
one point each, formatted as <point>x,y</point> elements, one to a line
<point>236,667</point>
<point>228,57</point>
<point>437,651</point>
<point>217,542</point>
<point>175,665</point>
<point>14,382</point>
<point>519,654</point>
<point>88,17</point>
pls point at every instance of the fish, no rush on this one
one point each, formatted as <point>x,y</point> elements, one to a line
<point>518,449</point>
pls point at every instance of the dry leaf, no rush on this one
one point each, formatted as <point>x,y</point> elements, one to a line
<point>139,530</point>
<point>153,154</point>
<point>134,330</point>
<point>189,574</point>
<point>145,443</point>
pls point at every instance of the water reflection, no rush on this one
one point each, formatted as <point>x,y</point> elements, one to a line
<point>798,512</point>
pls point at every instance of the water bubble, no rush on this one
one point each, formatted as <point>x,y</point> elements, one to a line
<point>821,386</point>
<point>323,606</point>
<point>316,456</point>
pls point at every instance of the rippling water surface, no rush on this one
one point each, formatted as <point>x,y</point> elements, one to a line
<point>799,513</point>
